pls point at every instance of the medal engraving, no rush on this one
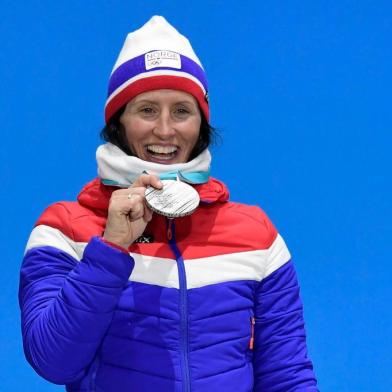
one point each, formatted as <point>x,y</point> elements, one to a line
<point>174,200</point>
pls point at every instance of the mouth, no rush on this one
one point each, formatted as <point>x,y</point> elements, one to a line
<point>161,154</point>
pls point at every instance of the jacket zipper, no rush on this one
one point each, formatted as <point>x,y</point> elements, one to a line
<point>184,343</point>
<point>252,332</point>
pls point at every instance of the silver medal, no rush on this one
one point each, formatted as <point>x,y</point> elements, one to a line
<point>174,200</point>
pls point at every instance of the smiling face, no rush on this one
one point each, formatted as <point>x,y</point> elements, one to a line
<point>162,126</point>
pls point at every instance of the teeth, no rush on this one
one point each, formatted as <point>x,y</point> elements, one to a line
<point>162,149</point>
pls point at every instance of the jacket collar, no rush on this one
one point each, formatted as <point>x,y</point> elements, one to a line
<point>96,195</point>
<point>118,170</point>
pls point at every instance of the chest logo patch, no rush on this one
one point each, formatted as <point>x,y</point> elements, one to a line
<point>145,239</point>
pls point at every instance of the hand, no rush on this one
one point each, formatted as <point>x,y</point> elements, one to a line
<point>128,213</point>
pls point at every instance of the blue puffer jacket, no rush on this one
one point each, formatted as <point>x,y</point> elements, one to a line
<point>209,303</point>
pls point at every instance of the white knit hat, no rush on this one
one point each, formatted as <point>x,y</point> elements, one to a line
<point>154,57</point>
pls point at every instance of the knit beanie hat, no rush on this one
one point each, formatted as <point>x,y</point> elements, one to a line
<point>154,57</point>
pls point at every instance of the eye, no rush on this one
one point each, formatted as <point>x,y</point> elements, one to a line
<point>147,111</point>
<point>181,111</point>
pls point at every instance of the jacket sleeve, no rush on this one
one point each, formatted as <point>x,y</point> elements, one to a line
<point>67,304</point>
<point>280,357</point>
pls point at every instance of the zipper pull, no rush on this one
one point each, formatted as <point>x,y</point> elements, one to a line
<point>252,332</point>
<point>169,232</point>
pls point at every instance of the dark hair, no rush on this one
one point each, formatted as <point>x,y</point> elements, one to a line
<point>114,133</point>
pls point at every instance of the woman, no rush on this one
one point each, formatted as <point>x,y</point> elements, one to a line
<point>115,297</point>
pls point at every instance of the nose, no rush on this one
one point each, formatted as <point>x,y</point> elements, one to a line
<point>164,126</point>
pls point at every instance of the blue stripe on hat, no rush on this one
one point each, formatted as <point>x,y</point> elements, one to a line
<point>136,66</point>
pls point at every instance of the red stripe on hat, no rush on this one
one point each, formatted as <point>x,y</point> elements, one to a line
<point>156,83</point>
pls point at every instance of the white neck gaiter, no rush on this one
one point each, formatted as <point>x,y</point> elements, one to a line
<point>119,169</point>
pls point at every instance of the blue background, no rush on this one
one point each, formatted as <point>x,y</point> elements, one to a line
<point>301,94</point>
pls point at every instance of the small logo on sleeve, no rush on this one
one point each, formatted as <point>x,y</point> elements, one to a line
<point>162,58</point>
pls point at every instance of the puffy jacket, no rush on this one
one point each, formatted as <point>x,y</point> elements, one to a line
<point>209,303</point>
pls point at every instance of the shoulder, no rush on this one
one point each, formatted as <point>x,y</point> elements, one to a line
<point>252,221</point>
<point>247,222</point>
<point>74,219</point>
<point>59,216</point>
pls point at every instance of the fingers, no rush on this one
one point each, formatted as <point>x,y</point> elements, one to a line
<point>130,202</point>
<point>139,186</point>
<point>128,213</point>
<point>129,192</point>
<point>147,214</point>
<point>146,180</point>
<point>136,208</point>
